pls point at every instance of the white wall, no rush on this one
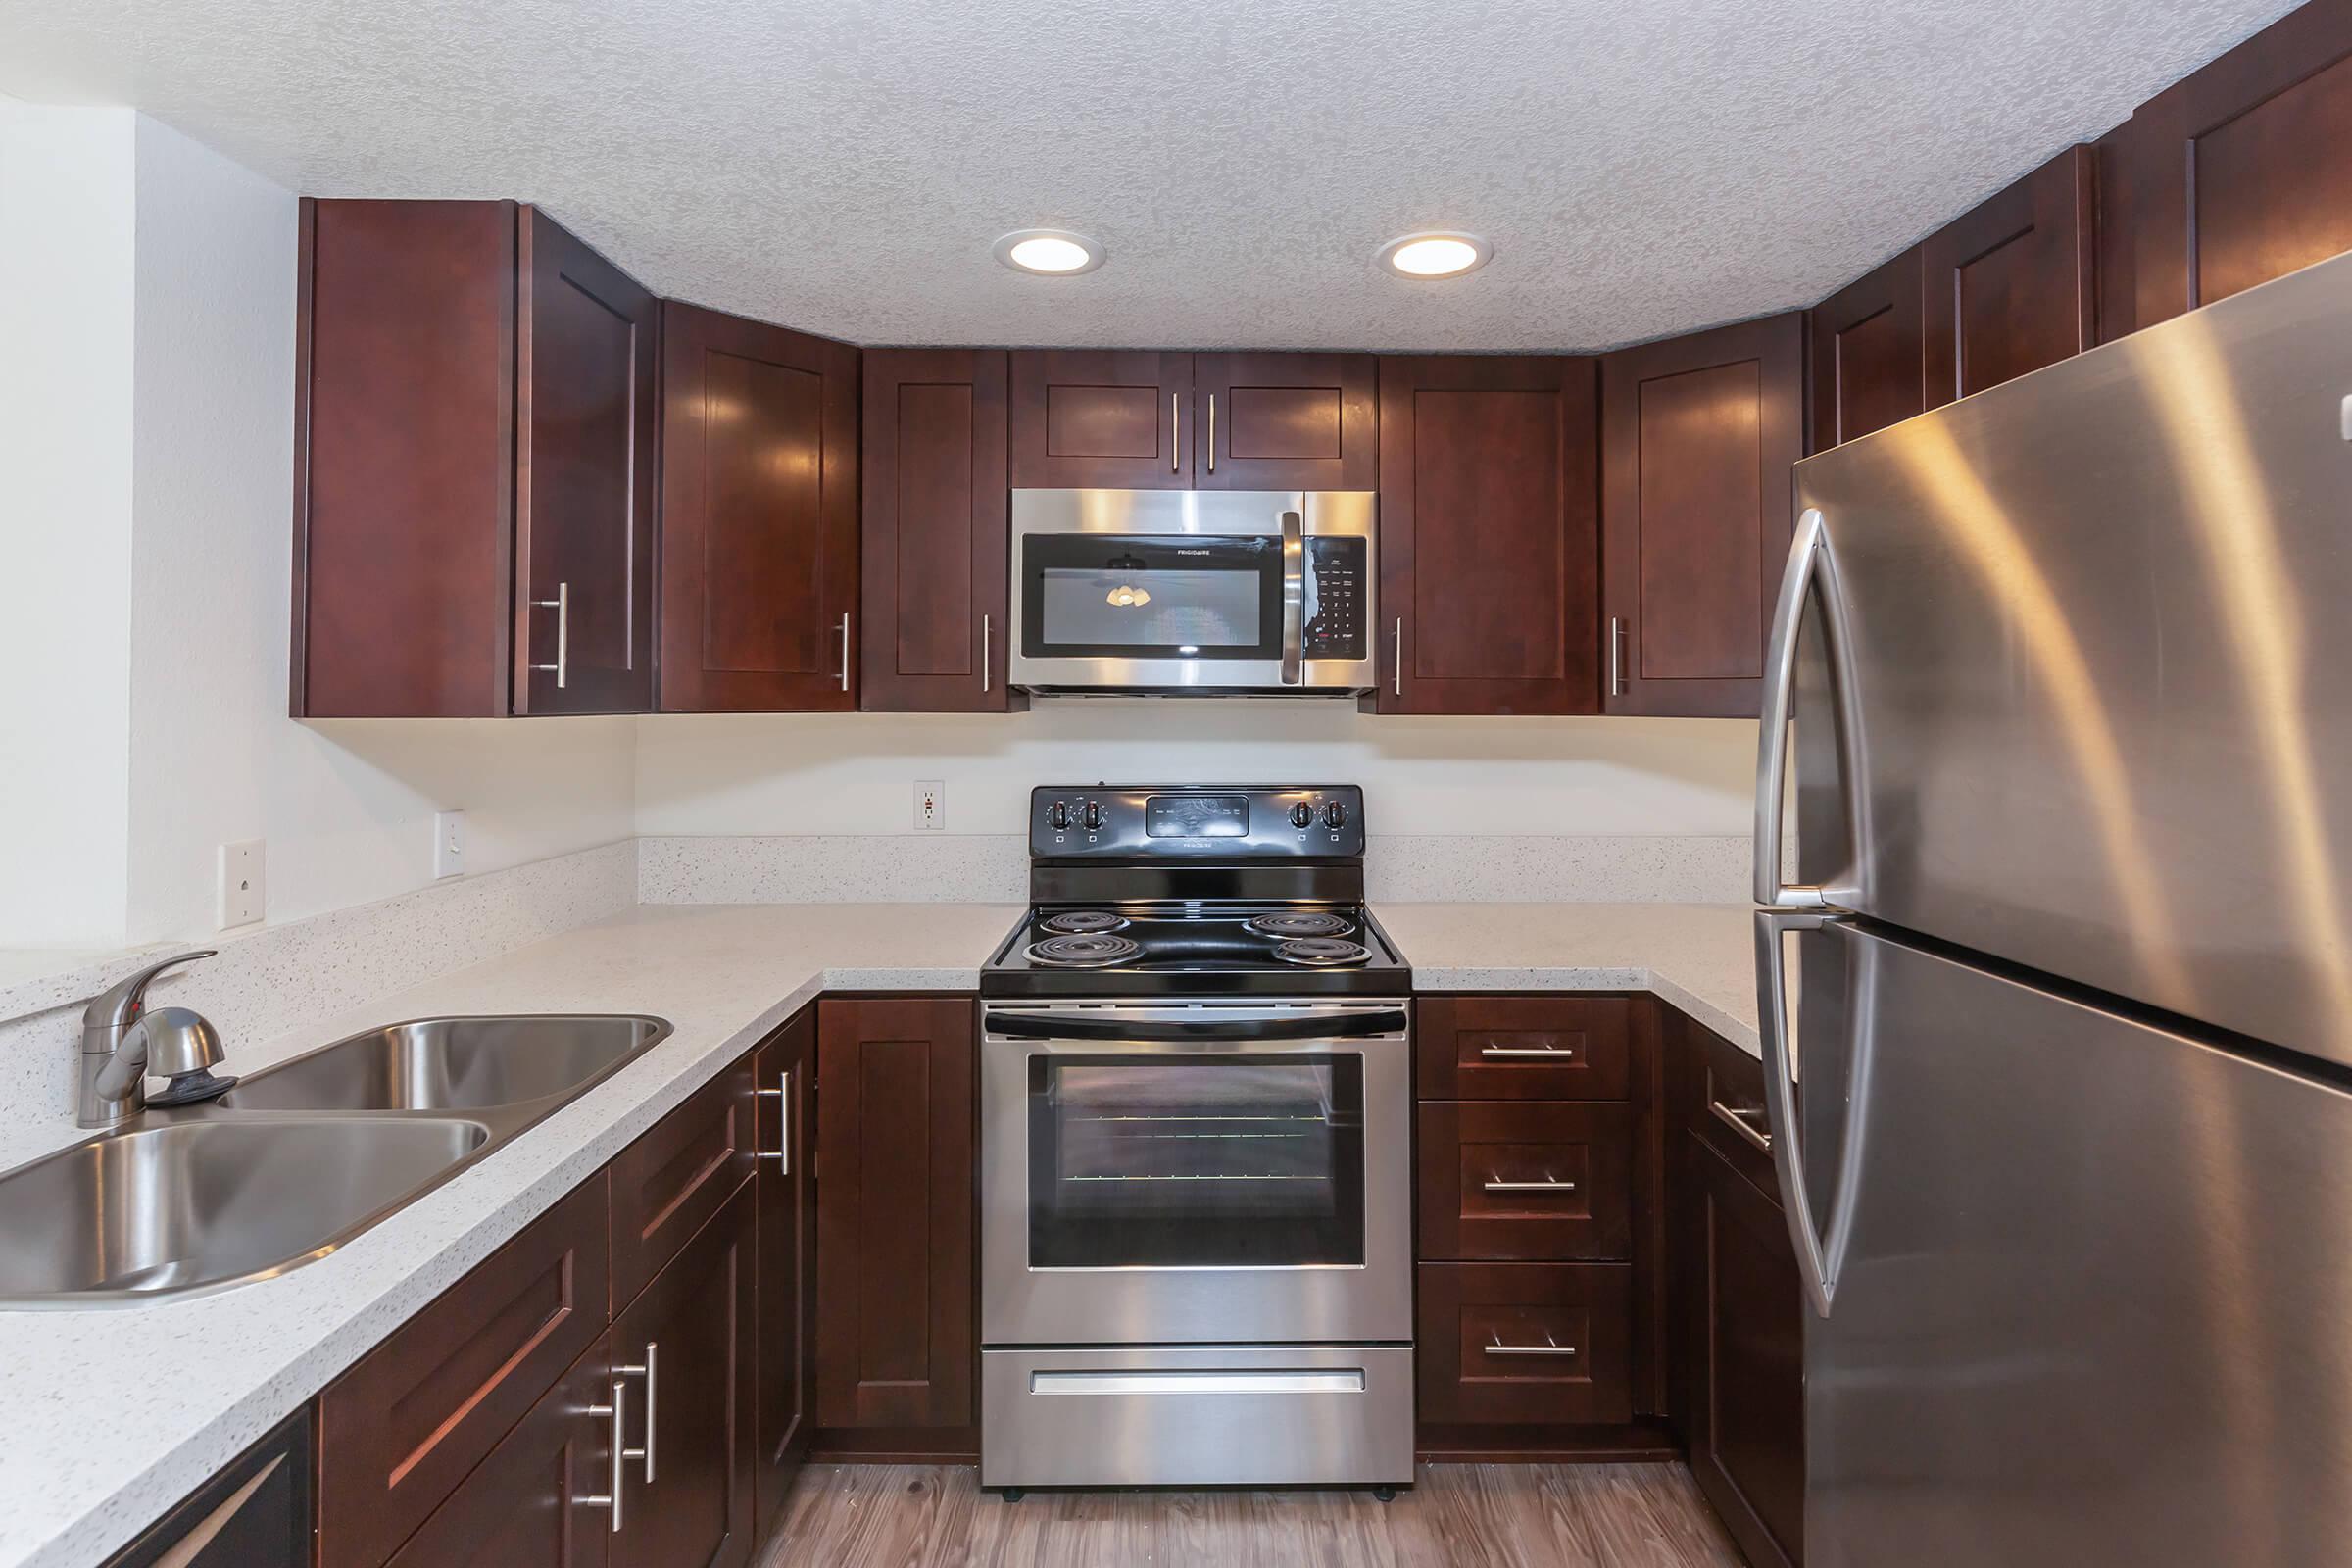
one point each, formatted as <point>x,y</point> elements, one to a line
<point>855,773</point>
<point>346,809</point>
<point>66,281</point>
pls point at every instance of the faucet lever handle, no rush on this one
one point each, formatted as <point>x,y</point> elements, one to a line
<point>119,1005</point>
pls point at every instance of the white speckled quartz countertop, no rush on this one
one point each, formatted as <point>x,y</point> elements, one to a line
<point>116,1415</point>
<point>1698,957</point>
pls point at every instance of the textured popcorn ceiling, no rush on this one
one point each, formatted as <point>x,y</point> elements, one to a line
<point>1642,166</point>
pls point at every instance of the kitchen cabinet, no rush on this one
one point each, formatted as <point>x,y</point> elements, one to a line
<point>1286,422</point>
<point>474,455</point>
<point>1739,1377</point>
<point>1489,549</point>
<point>1870,353</point>
<point>897,1329</point>
<point>758,516</point>
<point>688,1502</point>
<point>1101,419</point>
<point>784,1398</point>
<point>2011,285</point>
<point>542,1497</point>
<point>1524,1346</point>
<point>254,1514</point>
<point>2238,174</point>
<point>668,1183</point>
<point>1697,438</point>
<point>937,625</point>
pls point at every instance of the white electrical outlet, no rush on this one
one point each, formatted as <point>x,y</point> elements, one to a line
<point>930,803</point>
<point>244,890</point>
<point>449,844</point>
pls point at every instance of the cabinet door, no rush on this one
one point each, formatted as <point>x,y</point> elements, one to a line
<point>896,1216</point>
<point>936,538</point>
<point>1086,420</point>
<point>675,1175</point>
<point>689,1500</point>
<point>1488,555</point>
<point>583,479</point>
<point>542,1497</point>
<point>1744,1311</point>
<point>2010,286</point>
<point>2236,174</point>
<point>786,1066</point>
<point>1286,422</point>
<point>1699,434</point>
<point>255,1513</point>
<point>758,516</point>
<point>1869,354</point>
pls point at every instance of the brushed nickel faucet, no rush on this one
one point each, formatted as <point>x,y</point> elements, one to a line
<point>122,1043</point>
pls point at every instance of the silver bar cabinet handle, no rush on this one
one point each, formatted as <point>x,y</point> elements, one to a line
<point>649,1369</point>
<point>619,1411</point>
<point>1213,432</point>
<point>782,1093</point>
<point>1397,674</point>
<point>1529,1349</point>
<point>1175,434</point>
<point>1508,1052</point>
<point>844,650</point>
<point>1738,1121</point>
<point>1546,1186</point>
<point>1616,656</point>
<point>562,605</point>
<point>984,669</point>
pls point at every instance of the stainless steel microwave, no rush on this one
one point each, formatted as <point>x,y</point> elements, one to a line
<point>1194,592</point>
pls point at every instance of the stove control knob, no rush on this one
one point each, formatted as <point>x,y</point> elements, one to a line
<point>1335,816</point>
<point>1303,816</point>
<point>1060,816</point>
<point>1094,817</point>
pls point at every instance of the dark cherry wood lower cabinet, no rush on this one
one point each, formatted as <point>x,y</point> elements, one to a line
<point>688,1503</point>
<point>542,1499</point>
<point>255,1513</point>
<point>897,1215</point>
<point>784,1401</point>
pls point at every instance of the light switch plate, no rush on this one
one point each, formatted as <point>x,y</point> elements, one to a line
<point>244,887</point>
<point>449,844</point>
<point>931,804</point>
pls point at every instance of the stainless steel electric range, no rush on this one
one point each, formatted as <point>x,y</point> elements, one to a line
<point>1195,1224</point>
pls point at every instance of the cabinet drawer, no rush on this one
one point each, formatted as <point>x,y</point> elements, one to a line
<point>400,1430</point>
<point>1726,1110</point>
<point>677,1175</point>
<point>1524,1343</point>
<point>1523,1048</point>
<point>1525,1179</point>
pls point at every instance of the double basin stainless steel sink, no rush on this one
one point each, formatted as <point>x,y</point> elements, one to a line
<point>293,1161</point>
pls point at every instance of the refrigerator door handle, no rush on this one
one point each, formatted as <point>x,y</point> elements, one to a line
<point>1818,1262</point>
<point>1809,562</point>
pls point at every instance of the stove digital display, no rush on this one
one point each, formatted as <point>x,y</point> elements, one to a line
<point>1196,817</point>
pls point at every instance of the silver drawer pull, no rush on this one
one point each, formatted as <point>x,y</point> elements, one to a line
<point>782,1153</point>
<point>1303,1380</point>
<point>1500,1348</point>
<point>1738,1122</point>
<point>619,1411</point>
<point>1503,1052</point>
<point>651,1371</point>
<point>1548,1185</point>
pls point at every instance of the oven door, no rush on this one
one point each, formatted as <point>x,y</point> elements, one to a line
<point>1191,590</point>
<point>1196,1174</point>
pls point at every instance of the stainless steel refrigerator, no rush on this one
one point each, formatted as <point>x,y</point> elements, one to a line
<point>2060,698</point>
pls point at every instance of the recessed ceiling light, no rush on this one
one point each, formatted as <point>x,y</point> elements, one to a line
<point>1048,252</point>
<point>1435,254</point>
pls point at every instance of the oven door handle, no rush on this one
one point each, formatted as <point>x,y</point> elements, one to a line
<point>1352,1026</point>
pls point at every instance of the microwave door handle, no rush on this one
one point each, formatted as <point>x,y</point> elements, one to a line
<point>1294,599</point>
<point>1323,1027</point>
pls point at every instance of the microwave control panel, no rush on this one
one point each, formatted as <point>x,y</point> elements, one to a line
<point>1336,595</point>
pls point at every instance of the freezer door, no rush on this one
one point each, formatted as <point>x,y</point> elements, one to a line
<point>2092,1304</point>
<point>2090,630</point>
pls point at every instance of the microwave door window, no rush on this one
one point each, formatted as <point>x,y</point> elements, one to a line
<point>1122,596</point>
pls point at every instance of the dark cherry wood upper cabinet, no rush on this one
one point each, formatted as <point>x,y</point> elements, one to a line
<point>1101,419</point>
<point>2236,174</point>
<point>1870,354</point>
<point>1488,556</point>
<point>758,516</point>
<point>2012,285</point>
<point>686,1351</point>
<point>474,467</point>
<point>897,1321</point>
<point>1699,435</point>
<point>937,627</point>
<point>785,1066</point>
<point>584,432</point>
<point>1286,422</point>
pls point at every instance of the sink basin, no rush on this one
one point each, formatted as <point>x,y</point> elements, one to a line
<point>452,1064</point>
<point>191,1205</point>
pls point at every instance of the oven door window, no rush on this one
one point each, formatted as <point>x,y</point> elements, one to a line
<point>1114,595</point>
<point>1167,1162</point>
